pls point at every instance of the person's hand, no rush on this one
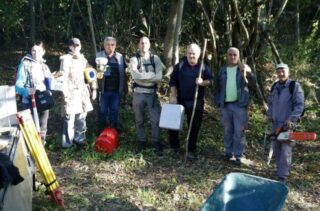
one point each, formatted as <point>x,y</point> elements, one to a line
<point>199,81</point>
<point>289,125</point>
<point>245,68</point>
<point>31,91</point>
<point>94,94</point>
<point>173,100</point>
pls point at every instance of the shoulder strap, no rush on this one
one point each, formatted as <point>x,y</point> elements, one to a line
<point>292,85</point>
<point>139,60</point>
<point>152,62</point>
<point>272,87</point>
<point>181,63</point>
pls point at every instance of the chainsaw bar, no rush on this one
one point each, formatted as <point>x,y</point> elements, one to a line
<point>297,136</point>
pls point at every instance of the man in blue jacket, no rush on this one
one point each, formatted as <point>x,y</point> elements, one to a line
<point>285,106</point>
<point>232,97</point>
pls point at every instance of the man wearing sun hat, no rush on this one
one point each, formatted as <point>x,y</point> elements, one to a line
<point>285,106</point>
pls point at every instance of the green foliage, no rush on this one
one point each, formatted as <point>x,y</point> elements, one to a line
<point>11,22</point>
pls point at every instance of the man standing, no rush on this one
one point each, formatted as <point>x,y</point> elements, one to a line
<point>111,85</point>
<point>183,82</point>
<point>232,97</point>
<point>76,95</point>
<point>146,71</point>
<point>285,106</point>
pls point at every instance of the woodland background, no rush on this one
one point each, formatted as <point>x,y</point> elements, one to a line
<point>266,32</point>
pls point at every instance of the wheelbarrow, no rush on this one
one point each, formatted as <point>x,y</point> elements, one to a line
<point>239,191</point>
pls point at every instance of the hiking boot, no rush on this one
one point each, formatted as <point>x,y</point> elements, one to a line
<point>141,146</point>
<point>237,162</point>
<point>227,157</point>
<point>80,145</point>
<point>282,180</point>
<point>158,148</point>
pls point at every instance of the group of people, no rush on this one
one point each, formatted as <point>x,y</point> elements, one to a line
<point>231,96</point>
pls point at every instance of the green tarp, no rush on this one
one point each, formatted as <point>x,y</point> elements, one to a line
<point>238,191</point>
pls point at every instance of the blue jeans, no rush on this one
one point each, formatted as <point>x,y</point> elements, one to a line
<point>235,122</point>
<point>109,108</point>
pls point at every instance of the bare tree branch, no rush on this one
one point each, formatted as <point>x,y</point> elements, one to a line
<point>91,27</point>
<point>274,49</point>
<point>177,32</point>
<point>212,32</point>
<point>280,11</point>
<point>240,21</point>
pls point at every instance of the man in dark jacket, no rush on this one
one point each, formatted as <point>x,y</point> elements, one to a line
<point>232,97</point>
<point>111,84</point>
<point>183,82</point>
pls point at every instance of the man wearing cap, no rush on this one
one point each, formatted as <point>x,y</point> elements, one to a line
<point>146,71</point>
<point>285,106</point>
<point>232,97</point>
<point>76,95</point>
<point>111,84</point>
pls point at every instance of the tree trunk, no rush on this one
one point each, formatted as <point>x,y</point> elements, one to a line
<point>176,35</point>
<point>212,34</point>
<point>70,16</point>
<point>91,27</point>
<point>169,39</point>
<point>298,21</point>
<point>32,21</point>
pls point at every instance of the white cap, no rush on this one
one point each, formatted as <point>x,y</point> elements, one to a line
<point>282,66</point>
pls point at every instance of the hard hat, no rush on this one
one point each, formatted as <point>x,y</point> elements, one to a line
<point>90,74</point>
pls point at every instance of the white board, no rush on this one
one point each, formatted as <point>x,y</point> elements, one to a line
<point>171,116</point>
<point>8,106</point>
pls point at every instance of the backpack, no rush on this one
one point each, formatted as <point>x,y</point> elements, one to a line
<point>292,85</point>
<point>134,85</point>
<point>151,61</point>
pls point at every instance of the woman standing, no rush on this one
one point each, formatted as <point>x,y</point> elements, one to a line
<point>34,75</point>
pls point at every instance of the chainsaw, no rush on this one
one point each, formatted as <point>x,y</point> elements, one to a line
<point>285,134</point>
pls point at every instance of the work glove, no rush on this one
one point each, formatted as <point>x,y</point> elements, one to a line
<point>94,94</point>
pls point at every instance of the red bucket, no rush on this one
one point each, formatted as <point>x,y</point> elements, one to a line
<point>107,141</point>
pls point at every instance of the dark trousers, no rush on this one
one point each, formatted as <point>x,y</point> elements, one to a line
<point>197,120</point>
